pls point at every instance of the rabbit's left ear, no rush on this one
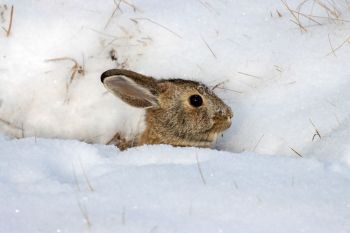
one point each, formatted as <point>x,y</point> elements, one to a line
<point>135,89</point>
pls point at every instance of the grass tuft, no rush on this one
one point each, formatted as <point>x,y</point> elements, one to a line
<point>316,12</point>
<point>75,70</point>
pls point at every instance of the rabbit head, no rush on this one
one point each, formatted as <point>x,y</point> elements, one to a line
<point>178,112</point>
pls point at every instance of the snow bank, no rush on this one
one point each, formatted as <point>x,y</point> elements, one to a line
<point>69,186</point>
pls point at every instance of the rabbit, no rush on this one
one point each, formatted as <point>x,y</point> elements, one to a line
<point>178,112</point>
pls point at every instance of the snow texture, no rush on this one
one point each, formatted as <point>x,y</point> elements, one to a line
<point>283,166</point>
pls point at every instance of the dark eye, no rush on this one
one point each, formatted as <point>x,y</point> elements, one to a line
<point>196,100</point>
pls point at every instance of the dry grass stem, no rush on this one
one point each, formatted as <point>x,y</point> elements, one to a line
<point>218,85</point>
<point>85,176</point>
<point>85,214</point>
<point>115,137</point>
<point>297,20</point>
<point>145,41</point>
<point>208,6</point>
<point>10,24</point>
<point>9,124</point>
<point>317,133</point>
<point>227,89</point>
<point>200,170</point>
<point>278,68</point>
<point>257,144</point>
<point>158,24</point>
<point>76,68</point>
<point>75,178</point>
<point>296,152</point>
<point>250,75</point>
<point>302,29</point>
<point>330,44</point>
<point>154,229</point>
<point>221,86</point>
<point>307,16</point>
<point>324,17</point>
<point>236,185</point>
<point>107,35</point>
<point>123,216</point>
<point>279,14</point>
<point>9,28</point>
<point>22,131</point>
<point>347,40</point>
<point>328,10</point>
<point>119,141</point>
<point>117,7</point>
<point>335,12</point>
<point>212,52</point>
<point>132,6</point>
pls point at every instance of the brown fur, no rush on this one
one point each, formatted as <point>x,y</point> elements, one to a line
<point>170,118</point>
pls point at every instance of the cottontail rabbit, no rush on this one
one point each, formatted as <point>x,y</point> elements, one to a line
<point>178,112</point>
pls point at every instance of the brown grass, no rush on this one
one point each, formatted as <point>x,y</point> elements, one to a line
<point>75,70</point>
<point>333,50</point>
<point>304,13</point>
<point>9,28</point>
<point>11,125</point>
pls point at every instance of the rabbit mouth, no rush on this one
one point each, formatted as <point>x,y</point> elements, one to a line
<point>201,143</point>
<point>201,140</point>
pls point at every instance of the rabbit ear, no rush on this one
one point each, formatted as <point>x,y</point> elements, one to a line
<point>133,88</point>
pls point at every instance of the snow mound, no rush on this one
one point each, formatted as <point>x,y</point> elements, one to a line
<point>69,186</point>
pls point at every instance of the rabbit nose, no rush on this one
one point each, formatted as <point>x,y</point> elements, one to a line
<point>226,113</point>
<point>230,113</point>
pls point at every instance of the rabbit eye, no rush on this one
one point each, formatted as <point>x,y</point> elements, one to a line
<point>196,100</point>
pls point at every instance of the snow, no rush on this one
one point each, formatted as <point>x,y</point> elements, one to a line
<point>282,84</point>
<point>55,184</point>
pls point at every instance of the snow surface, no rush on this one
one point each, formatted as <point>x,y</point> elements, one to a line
<point>68,186</point>
<point>282,85</point>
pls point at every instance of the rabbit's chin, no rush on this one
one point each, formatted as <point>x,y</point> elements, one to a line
<point>192,143</point>
<point>205,141</point>
<point>203,144</point>
<point>202,140</point>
